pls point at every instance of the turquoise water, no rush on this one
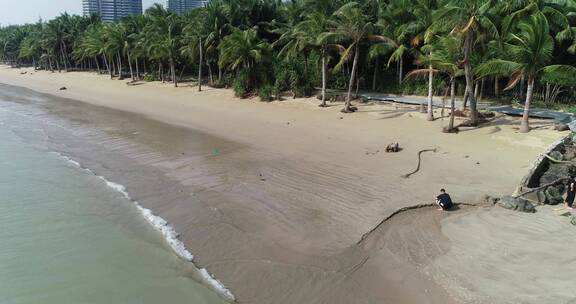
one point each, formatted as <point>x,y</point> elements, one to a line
<point>66,237</point>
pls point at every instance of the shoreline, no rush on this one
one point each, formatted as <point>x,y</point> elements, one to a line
<point>293,184</point>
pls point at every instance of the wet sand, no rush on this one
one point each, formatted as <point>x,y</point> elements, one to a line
<point>273,199</point>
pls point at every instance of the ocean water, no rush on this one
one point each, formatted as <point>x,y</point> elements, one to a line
<point>69,236</point>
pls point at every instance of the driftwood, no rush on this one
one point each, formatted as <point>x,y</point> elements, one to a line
<point>419,162</point>
<point>560,180</point>
<point>556,161</point>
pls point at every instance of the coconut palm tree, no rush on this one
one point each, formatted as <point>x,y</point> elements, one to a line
<point>242,49</point>
<point>446,59</point>
<point>529,53</point>
<point>349,24</point>
<point>467,19</point>
<point>193,38</point>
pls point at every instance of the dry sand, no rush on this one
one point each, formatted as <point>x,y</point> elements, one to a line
<point>273,198</point>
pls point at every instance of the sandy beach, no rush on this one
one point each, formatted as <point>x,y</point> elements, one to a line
<point>274,198</point>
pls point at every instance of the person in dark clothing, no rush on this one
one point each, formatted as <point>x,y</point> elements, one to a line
<point>444,200</point>
<point>571,193</point>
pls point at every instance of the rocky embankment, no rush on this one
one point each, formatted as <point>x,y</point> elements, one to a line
<point>546,183</point>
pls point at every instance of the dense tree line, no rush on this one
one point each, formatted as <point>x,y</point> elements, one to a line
<point>522,48</point>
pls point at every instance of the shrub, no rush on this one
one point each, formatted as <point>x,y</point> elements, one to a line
<point>151,77</point>
<point>241,84</point>
<point>266,93</point>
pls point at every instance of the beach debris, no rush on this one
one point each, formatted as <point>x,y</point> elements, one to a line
<point>262,178</point>
<point>419,162</point>
<point>516,204</point>
<point>556,182</point>
<point>372,153</point>
<point>63,88</point>
<point>393,148</point>
<point>215,152</point>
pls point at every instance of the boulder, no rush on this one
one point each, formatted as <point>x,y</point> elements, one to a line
<point>556,155</point>
<point>561,127</point>
<point>554,195</point>
<point>556,172</point>
<point>517,204</point>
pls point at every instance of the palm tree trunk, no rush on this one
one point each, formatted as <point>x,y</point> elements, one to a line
<point>452,103</point>
<point>130,66</point>
<point>465,103</point>
<point>469,77</point>
<point>430,116</point>
<point>106,63</point>
<point>119,66</point>
<point>375,74</point>
<point>400,71</point>
<point>97,64</point>
<point>496,87</point>
<point>348,104</point>
<point>525,126</point>
<point>173,72</point>
<point>111,62</point>
<point>219,73</point>
<point>476,89</point>
<point>200,66</point>
<point>324,66</point>
<point>210,73</point>
<point>481,97</point>
<point>137,68</point>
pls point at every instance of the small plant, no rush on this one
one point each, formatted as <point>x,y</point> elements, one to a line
<point>241,84</point>
<point>266,93</point>
<point>151,77</point>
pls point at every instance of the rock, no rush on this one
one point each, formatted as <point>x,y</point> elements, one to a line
<point>556,155</point>
<point>554,195</point>
<point>572,126</point>
<point>517,204</point>
<point>573,220</point>
<point>561,127</point>
<point>556,172</point>
<point>63,88</point>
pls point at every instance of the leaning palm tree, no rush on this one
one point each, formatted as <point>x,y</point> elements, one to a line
<point>529,53</point>
<point>467,19</point>
<point>349,24</point>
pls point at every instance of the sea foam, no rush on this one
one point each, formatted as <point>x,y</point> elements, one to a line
<point>160,224</point>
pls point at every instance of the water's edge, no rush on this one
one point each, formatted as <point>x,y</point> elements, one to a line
<point>168,232</point>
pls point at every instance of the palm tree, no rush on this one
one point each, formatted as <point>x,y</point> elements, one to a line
<point>349,23</point>
<point>466,18</point>
<point>445,59</point>
<point>193,41</point>
<point>242,49</point>
<point>529,52</point>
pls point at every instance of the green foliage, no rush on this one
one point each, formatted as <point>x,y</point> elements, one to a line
<point>153,76</point>
<point>242,84</point>
<point>267,47</point>
<point>290,75</point>
<point>266,93</point>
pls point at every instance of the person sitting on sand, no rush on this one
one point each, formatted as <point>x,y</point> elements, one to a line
<point>571,193</point>
<point>444,200</point>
